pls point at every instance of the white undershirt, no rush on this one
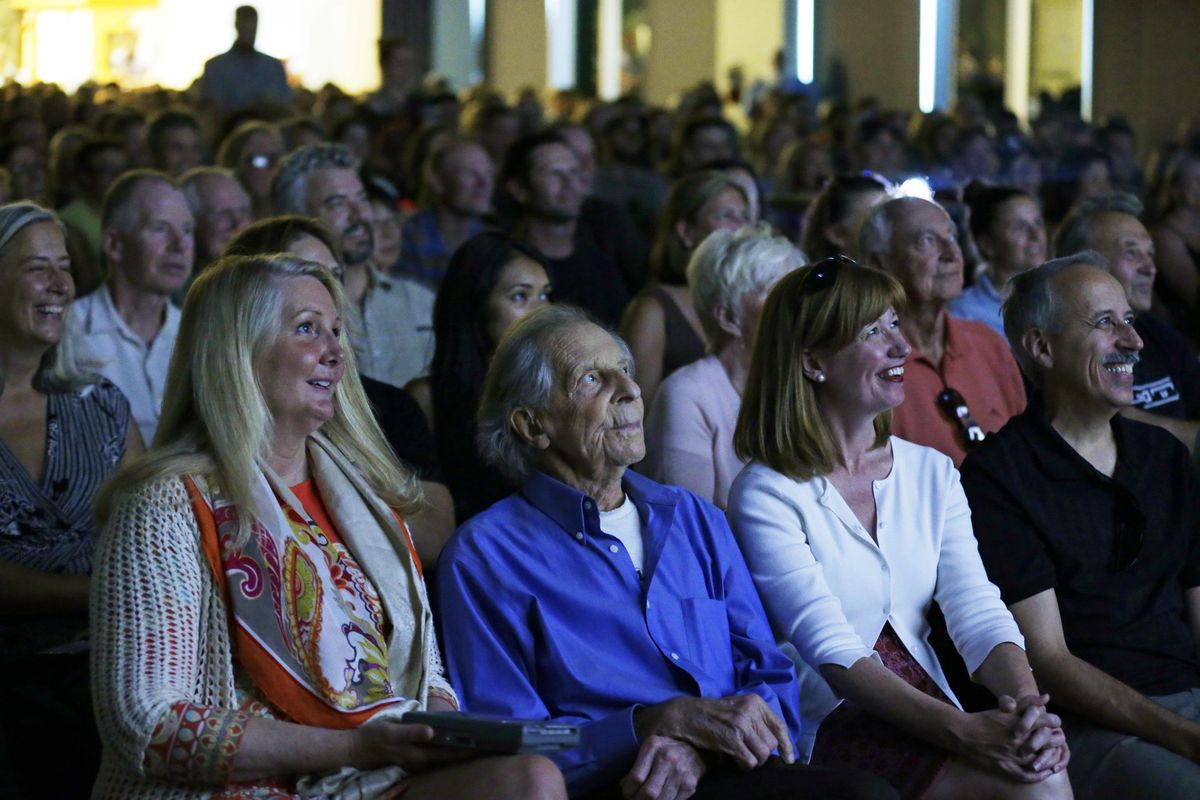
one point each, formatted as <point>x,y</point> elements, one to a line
<point>624,523</point>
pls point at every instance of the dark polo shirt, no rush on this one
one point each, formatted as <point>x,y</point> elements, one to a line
<point>1046,519</point>
<point>1167,378</point>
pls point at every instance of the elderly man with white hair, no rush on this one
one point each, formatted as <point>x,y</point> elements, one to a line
<point>689,430</point>
<point>1089,523</point>
<point>599,597</point>
<point>961,381</point>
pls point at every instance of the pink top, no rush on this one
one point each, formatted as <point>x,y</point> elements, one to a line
<point>977,363</point>
<point>689,431</point>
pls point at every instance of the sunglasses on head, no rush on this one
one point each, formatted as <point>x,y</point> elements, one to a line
<point>954,406</point>
<point>823,274</point>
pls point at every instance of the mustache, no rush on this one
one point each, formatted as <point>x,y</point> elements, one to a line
<point>1121,358</point>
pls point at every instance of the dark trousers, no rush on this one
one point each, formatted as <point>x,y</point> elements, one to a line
<point>778,781</point>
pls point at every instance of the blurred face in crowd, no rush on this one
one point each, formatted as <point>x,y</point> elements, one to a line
<point>154,255</point>
<point>883,154</point>
<point>1185,189</point>
<point>337,198</point>
<point>310,248</point>
<point>1017,241</point>
<point>180,150</point>
<point>1094,181</point>
<point>246,26</point>
<point>259,153</point>
<point>36,287</point>
<point>1090,355</point>
<point>750,186</point>
<point>28,170</point>
<point>925,256</point>
<point>580,142</point>
<point>385,229</point>
<point>708,144</point>
<point>726,210</point>
<point>466,180</point>
<point>107,165</point>
<point>521,287</point>
<point>552,188</point>
<point>1124,241</point>
<point>224,211</point>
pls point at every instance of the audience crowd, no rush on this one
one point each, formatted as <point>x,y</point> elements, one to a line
<point>314,413</point>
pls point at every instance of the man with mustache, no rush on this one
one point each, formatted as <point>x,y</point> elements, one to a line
<point>599,597</point>
<point>393,319</point>
<point>1166,380</point>
<point>1089,523</point>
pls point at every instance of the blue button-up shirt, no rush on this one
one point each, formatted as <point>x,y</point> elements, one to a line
<point>980,302</point>
<point>544,617</point>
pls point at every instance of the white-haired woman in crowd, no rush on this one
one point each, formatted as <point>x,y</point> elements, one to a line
<point>63,430</point>
<point>689,431</point>
<point>267,522</point>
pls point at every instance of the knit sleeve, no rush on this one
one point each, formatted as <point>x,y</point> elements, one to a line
<point>439,685</point>
<point>161,674</point>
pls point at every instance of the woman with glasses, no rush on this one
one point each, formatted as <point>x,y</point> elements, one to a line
<point>851,534</point>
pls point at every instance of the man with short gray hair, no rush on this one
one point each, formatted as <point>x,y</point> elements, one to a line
<point>598,597</point>
<point>1166,381</point>
<point>392,316</point>
<point>220,206</point>
<point>1089,523</point>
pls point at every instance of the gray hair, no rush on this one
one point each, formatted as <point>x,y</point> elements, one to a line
<point>1033,303</point>
<point>730,265</point>
<point>289,186</point>
<point>875,236</point>
<point>119,211</point>
<point>521,375</point>
<point>191,180</point>
<point>1077,231</point>
<point>60,369</point>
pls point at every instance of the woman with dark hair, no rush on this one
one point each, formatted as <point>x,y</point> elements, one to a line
<point>491,282</point>
<point>661,326</point>
<point>851,534</point>
<point>1007,226</point>
<point>832,222</point>
<point>1079,173</point>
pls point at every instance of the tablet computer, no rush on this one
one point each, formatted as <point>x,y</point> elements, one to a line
<point>495,734</point>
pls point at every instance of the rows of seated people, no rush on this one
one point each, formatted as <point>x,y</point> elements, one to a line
<point>776,476</point>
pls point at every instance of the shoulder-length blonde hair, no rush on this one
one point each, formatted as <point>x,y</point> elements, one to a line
<point>60,370</point>
<point>215,421</point>
<point>779,423</point>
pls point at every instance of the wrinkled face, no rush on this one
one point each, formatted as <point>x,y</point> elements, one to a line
<point>310,248</point>
<point>36,287</point>
<point>1091,358</point>
<point>155,255</point>
<point>1123,240</point>
<point>385,228</point>
<point>468,180</point>
<point>298,371</point>
<point>259,153</point>
<point>593,422</point>
<point>553,188</point>
<point>224,212</point>
<point>180,150</point>
<point>1018,237</point>
<point>337,198</point>
<point>925,256</point>
<point>522,287</point>
<point>726,210</point>
<point>867,375</point>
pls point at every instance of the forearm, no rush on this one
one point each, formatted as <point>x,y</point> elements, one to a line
<point>272,747</point>
<point>27,592</point>
<point>1094,694</point>
<point>1006,670</point>
<point>1184,430</point>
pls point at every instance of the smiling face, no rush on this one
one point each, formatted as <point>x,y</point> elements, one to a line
<point>866,377</point>
<point>925,256</point>
<point>591,428</point>
<point>1123,240</point>
<point>155,255</point>
<point>337,198</point>
<point>36,288</point>
<point>521,287</point>
<point>1090,359</point>
<point>298,371</point>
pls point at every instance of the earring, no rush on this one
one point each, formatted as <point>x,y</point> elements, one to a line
<point>820,377</point>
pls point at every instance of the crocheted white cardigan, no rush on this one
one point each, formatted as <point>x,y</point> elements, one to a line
<point>160,636</point>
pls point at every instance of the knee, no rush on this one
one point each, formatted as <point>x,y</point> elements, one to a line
<point>865,786</point>
<point>1056,787</point>
<point>536,778</point>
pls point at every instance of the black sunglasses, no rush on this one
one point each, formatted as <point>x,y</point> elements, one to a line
<point>954,406</point>
<point>823,274</point>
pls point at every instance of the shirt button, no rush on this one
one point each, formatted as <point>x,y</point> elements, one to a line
<point>883,524</point>
<point>675,656</point>
<point>579,535</point>
<point>612,548</point>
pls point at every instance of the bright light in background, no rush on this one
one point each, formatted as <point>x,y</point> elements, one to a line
<point>63,48</point>
<point>1085,59</point>
<point>1016,57</point>
<point>805,40</point>
<point>560,45</point>
<point>477,10</point>
<point>927,56</point>
<point>913,187</point>
<point>609,50</point>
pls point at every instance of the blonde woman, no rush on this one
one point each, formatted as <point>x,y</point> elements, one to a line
<point>267,521</point>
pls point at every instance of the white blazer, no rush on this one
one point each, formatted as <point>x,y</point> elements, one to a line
<point>828,588</point>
